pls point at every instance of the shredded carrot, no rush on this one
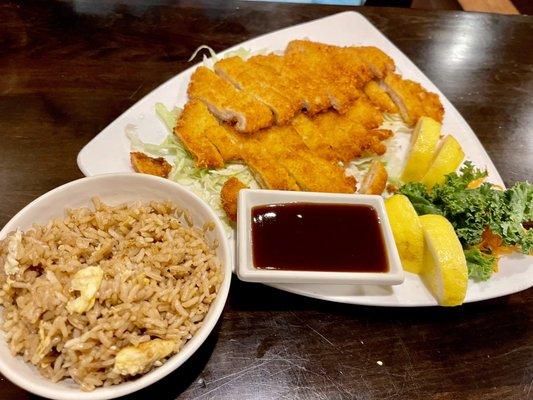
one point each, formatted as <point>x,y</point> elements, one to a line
<point>476,183</point>
<point>493,242</point>
<point>490,240</point>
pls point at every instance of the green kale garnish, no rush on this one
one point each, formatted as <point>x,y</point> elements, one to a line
<point>471,211</point>
<point>480,265</point>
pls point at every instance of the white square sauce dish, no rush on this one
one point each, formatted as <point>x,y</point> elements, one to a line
<point>302,237</point>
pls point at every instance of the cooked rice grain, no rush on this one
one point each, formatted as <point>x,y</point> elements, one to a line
<point>159,278</point>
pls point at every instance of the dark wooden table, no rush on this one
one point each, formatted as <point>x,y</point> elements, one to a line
<point>69,69</point>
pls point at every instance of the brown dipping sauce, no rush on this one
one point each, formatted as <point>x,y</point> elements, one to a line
<point>318,237</point>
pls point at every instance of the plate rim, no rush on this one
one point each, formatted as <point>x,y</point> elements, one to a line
<point>450,108</point>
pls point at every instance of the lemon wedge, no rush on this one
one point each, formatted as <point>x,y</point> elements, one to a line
<point>445,272</point>
<point>423,142</point>
<point>448,158</point>
<point>407,232</point>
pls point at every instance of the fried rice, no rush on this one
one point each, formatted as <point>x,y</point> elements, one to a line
<point>133,281</point>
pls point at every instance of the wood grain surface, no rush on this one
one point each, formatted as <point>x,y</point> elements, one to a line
<point>68,69</point>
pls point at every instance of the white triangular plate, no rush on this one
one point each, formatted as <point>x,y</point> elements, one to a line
<point>109,152</point>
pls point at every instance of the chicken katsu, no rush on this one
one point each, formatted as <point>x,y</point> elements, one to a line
<point>412,99</point>
<point>375,179</point>
<point>149,165</point>
<point>380,98</point>
<point>296,119</point>
<point>263,87</point>
<point>228,103</point>
<point>191,130</point>
<point>229,195</point>
<point>312,95</point>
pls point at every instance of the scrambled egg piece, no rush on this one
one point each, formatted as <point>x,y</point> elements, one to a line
<point>87,281</point>
<point>44,343</point>
<point>11,266</point>
<point>133,360</point>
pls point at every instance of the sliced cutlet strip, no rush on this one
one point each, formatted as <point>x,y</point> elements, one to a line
<point>227,144</point>
<point>229,196</point>
<point>412,99</point>
<point>363,62</point>
<point>199,118</point>
<point>349,136</point>
<point>379,97</point>
<point>314,97</point>
<point>311,172</point>
<point>379,63</point>
<point>330,177</point>
<point>313,139</point>
<point>228,103</point>
<point>284,87</point>
<point>190,129</point>
<point>375,180</point>
<point>365,113</point>
<point>349,72</point>
<point>336,130</point>
<point>280,140</point>
<point>312,65</point>
<point>266,169</point>
<point>263,164</point>
<point>244,77</point>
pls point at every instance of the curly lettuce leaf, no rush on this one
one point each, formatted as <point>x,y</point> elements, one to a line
<point>517,202</point>
<point>480,265</point>
<point>421,199</point>
<point>471,211</point>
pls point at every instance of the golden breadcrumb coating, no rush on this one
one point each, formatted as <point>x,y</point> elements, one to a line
<point>228,103</point>
<point>316,63</point>
<point>259,85</point>
<point>313,96</point>
<point>375,179</point>
<point>149,165</point>
<point>412,99</point>
<point>229,195</point>
<point>310,171</point>
<point>313,138</point>
<point>365,113</point>
<point>190,129</point>
<point>379,97</point>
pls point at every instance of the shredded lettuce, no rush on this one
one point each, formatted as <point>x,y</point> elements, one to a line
<point>169,117</point>
<point>208,61</point>
<point>244,53</point>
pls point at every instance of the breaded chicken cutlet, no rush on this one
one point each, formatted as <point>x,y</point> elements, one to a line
<point>412,99</point>
<point>380,98</point>
<point>309,171</point>
<point>229,196</point>
<point>228,103</point>
<point>312,95</point>
<point>296,119</point>
<point>375,179</point>
<point>211,143</point>
<point>149,165</point>
<point>262,86</point>
<point>272,89</point>
<point>320,64</point>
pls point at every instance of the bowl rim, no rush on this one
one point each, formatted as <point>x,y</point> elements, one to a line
<point>121,389</point>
